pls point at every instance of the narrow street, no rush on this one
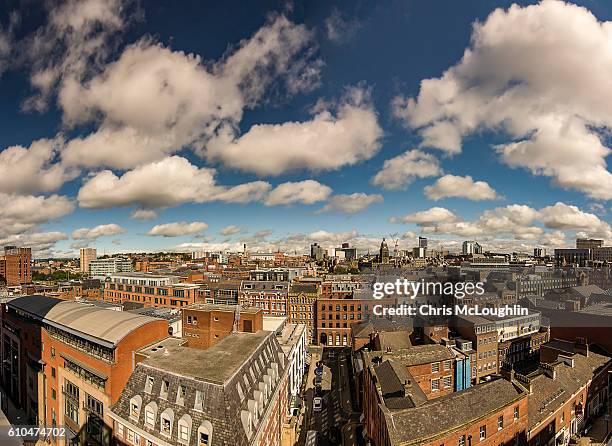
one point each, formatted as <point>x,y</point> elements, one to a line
<point>337,421</point>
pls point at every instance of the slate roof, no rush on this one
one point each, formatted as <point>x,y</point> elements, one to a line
<point>548,394</point>
<point>422,424</point>
<point>303,288</point>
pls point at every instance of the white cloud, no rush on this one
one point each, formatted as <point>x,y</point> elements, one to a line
<point>155,101</point>
<point>328,141</point>
<point>143,214</point>
<point>350,203</point>
<point>19,213</point>
<point>462,187</point>
<point>306,192</point>
<point>541,74</point>
<point>178,229</point>
<point>564,217</point>
<point>41,242</point>
<point>182,182</point>
<point>401,170</point>
<point>428,217</point>
<point>230,230</point>
<point>75,41</point>
<point>27,170</point>
<point>98,231</point>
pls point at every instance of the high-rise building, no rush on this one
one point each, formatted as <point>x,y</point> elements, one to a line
<point>87,255</point>
<point>471,247</point>
<point>316,252</point>
<point>539,252</point>
<point>15,265</point>
<point>423,242</point>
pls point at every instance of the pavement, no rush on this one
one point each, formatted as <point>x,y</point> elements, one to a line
<point>599,433</point>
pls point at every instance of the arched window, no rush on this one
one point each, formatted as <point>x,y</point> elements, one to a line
<point>166,420</point>
<point>205,433</point>
<point>150,414</point>
<point>135,406</point>
<point>184,429</point>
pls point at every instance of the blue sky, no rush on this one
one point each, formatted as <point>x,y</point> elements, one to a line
<point>517,158</point>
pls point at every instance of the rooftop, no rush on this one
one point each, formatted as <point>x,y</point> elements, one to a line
<point>422,424</point>
<point>420,354</point>
<point>216,364</point>
<point>221,307</point>
<point>106,327</point>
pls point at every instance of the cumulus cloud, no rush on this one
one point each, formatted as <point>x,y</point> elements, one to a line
<point>178,229</point>
<point>350,203</point>
<point>427,217</point>
<point>541,74</point>
<point>338,135</point>
<point>74,42</point>
<point>98,231</point>
<point>143,214</point>
<point>401,170</point>
<point>26,170</point>
<point>20,213</point>
<point>41,242</point>
<point>462,187</point>
<point>154,101</point>
<point>306,192</point>
<point>182,182</point>
<point>520,222</point>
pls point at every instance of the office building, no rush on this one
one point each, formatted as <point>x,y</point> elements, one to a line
<point>15,265</point>
<point>70,361</point>
<point>87,255</point>
<point>103,268</point>
<point>470,247</point>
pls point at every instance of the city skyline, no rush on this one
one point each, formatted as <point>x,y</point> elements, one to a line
<point>142,127</point>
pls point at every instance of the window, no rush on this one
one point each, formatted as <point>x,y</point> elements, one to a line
<point>435,367</point>
<point>516,413</point>
<point>483,432</point>
<point>149,384</point>
<point>135,404</point>
<point>164,389</point>
<point>53,372</point>
<point>166,425</point>
<point>93,405</point>
<point>183,434</point>
<point>149,417</point>
<point>53,394</point>
<point>180,396</point>
<point>435,385</point>
<point>448,382</point>
<point>120,430</point>
<point>53,352</point>
<point>461,441</point>
<point>500,422</point>
<point>199,399</point>
<point>447,364</point>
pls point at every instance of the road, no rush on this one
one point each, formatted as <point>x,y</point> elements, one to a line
<point>337,422</point>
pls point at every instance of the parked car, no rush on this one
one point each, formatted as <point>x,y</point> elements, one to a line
<point>317,404</point>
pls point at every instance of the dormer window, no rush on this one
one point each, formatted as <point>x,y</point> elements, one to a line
<point>199,400</point>
<point>180,396</point>
<point>135,405</point>
<point>166,420</point>
<point>165,386</point>
<point>149,384</point>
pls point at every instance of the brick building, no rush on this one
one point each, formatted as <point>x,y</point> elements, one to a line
<point>234,393</point>
<point>66,362</point>
<point>397,412</point>
<point>334,317</point>
<point>269,295</point>
<point>150,290</point>
<point>204,325</point>
<point>302,304</point>
<point>483,334</point>
<point>15,265</point>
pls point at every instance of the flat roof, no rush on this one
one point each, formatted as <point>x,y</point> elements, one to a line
<point>216,364</point>
<point>100,325</point>
<point>221,307</point>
